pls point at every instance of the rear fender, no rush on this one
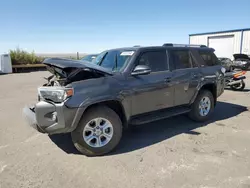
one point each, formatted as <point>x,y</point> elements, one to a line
<point>209,86</point>
<point>239,78</point>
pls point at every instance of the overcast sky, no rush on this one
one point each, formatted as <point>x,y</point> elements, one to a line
<point>59,26</point>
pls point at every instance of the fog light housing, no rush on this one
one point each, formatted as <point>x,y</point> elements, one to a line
<point>52,116</point>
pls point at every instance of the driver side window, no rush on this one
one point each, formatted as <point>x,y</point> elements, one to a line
<point>155,60</point>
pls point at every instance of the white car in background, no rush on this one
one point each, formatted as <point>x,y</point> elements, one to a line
<point>241,61</point>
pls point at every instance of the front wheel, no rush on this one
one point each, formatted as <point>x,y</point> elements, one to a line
<point>238,87</point>
<point>98,132</point>
<point>202,107</point>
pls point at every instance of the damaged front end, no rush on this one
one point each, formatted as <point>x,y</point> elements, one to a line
<point>51,115</point>
<point>48,117</point>
<point>66,71</point>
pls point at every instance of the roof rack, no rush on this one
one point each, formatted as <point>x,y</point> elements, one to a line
<point>136,46</point>
<point>184,45</point>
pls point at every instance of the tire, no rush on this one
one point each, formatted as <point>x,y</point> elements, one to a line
<point>239,87</point>
<point>195,114</point>
<point>89,120</point>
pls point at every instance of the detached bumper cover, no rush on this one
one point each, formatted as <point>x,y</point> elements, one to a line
<point>50,118</point>
<point>30,117</point>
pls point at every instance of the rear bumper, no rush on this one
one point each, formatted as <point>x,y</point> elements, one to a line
<point>50,118</point>
<point>220,86</point>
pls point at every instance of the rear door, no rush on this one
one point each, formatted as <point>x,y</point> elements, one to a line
<point>185,75</point>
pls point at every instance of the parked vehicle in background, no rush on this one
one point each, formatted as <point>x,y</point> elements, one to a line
<point>125,86</point>
<point>89,57</point>
<point>235,80</point>
<point>226,63</point>
<point>241,61</point>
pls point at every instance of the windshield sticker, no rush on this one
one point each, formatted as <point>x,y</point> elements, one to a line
<point>127,53</point>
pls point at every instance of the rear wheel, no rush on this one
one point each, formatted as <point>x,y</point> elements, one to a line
<point>98,132</point>
<point>202,107</point>
<point>238,87</point>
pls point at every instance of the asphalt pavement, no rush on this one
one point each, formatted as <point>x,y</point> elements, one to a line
<point>175,152</point>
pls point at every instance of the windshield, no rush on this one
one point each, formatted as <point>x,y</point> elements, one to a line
<point>89,57</point>
<point>113,60</point>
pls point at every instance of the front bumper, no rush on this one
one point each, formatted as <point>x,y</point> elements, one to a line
<point>50,118</point>
<point>30,117</point>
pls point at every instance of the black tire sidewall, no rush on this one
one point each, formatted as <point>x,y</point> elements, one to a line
<point>103,112</point>
<point>195,114</point>
<point>243,85</point>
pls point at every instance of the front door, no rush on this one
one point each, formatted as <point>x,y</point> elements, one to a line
<point>153,91</point>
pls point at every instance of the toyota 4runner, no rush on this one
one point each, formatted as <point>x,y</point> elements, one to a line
<point>127,86</point>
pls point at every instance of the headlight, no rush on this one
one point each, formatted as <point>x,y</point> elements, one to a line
<point>243,62</point>
<point>55,94</point>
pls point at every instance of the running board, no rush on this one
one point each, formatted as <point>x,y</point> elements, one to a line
<point>159,115</point>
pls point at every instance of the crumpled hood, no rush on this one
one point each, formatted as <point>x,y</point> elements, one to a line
<point>241,56</point>
<point>63,64</point>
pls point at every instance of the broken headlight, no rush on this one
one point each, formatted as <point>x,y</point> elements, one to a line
<point>55,94</point>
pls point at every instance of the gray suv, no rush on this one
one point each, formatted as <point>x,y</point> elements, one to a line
<point>96,101</point>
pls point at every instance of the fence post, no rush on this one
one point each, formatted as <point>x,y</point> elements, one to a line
<point>77,55</point>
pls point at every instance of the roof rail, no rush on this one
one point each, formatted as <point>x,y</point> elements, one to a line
<point>184,45</point>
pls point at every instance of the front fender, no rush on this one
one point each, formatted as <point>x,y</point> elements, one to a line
<point>94,91</point>
<point>92,101</point>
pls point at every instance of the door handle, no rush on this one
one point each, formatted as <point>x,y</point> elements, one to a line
<point>168,79</point>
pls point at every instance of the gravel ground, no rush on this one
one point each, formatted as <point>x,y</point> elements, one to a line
<point>171,153</point>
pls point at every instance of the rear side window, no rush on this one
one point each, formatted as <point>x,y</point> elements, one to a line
<point>209,58</point>
<point>181,59</point>
<point>156,60</point>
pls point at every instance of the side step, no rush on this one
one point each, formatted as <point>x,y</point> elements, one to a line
<point>158,115</point>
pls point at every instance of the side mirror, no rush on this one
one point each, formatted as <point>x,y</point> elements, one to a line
<point>141,70</point>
